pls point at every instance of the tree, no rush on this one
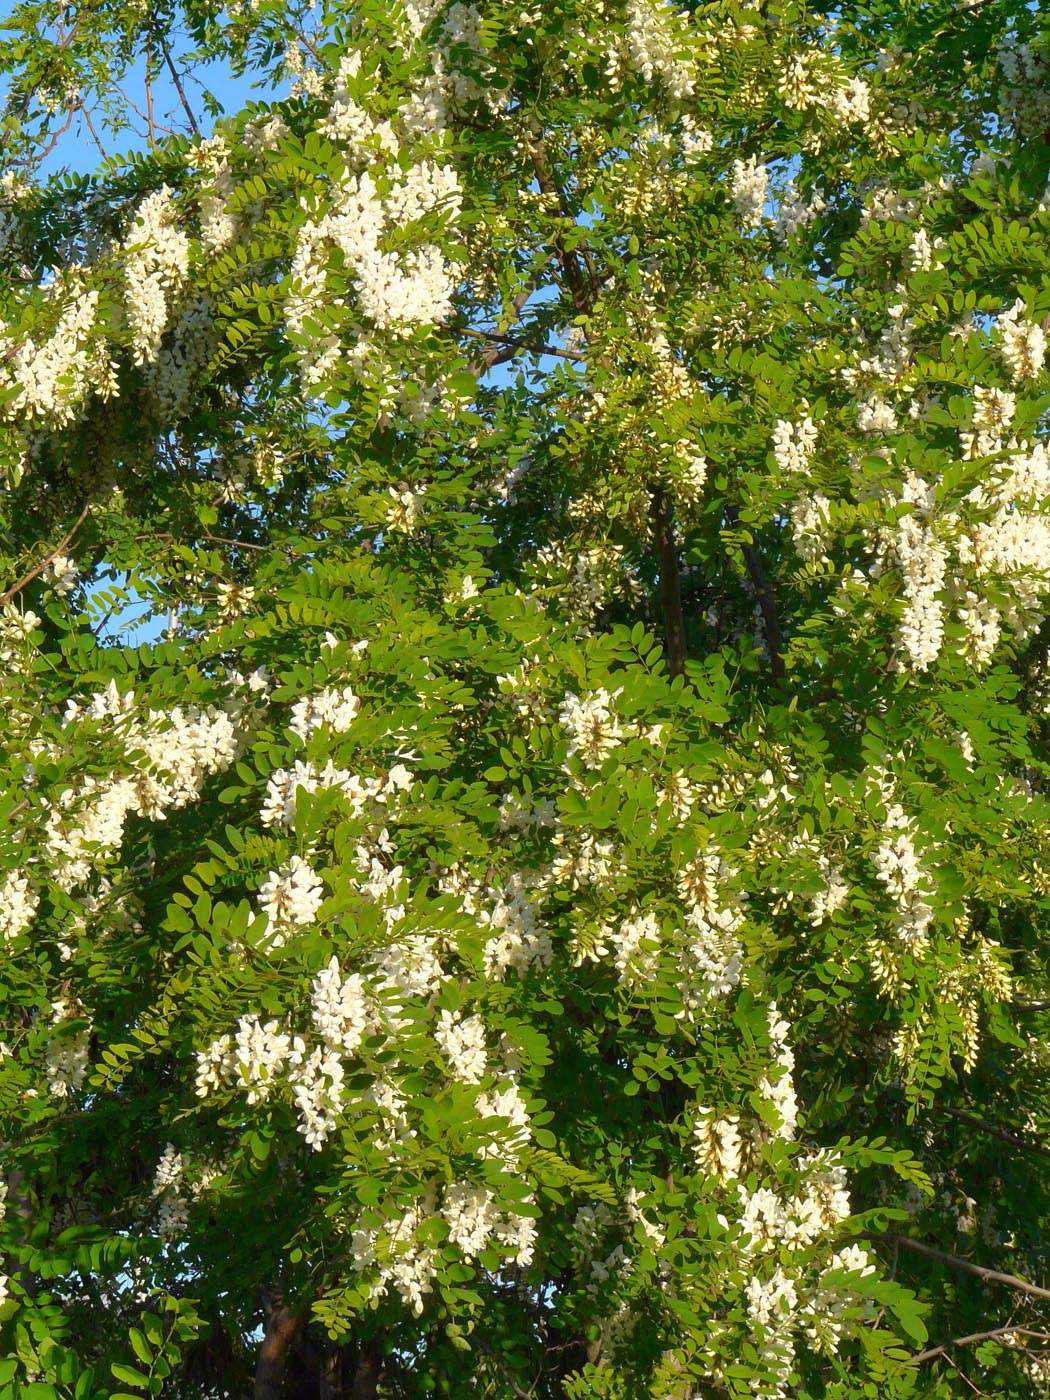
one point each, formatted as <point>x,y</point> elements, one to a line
<point>556,906</point>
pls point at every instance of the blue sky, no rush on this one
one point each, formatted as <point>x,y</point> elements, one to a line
<point>76,150</point>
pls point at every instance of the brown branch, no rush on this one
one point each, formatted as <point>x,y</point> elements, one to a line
<point>1010,1330</point>
<point>670,583</point>
<point>180,89</point>
<point>48,558</point>
<point>151,129</point>
<point>1002,1134</point>
<point>94,134</point>
<point>766,599</point>
<point>517,345</point>
<point>964,1266</point>
<point>574,277</point>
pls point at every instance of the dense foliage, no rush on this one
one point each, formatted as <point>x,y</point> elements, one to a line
<point>556,907</point>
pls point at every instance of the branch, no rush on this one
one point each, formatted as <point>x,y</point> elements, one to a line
<point>766,599</point>
<point>1010,1330</point>
<point>179,89</point>
<point>47,559</point>
<point>964,1266</point>
<point>517,344</point>
<point>91,128</point>
<point>151,132</point>
<point>670,583</point>
<point>1001,1133</point>
<point>581,298</point>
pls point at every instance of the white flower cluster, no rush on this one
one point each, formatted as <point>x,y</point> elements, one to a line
<point>290,898</point>
<point>172,1206</point>
<point>176,752</point>
<point>999,533</point>
<point>749,186</point>
<point>4,1280</point>
<point>218,225</point>
<point>636,948</point>
<point>1022,343</point>
<point>792,1286</point>
<point>61,574</point>
<point>800,82</point>
<point>398,1260</point>
<point>397,287</point>
<point>797,211</point>
<point>335,707</point>
<point>920,253</point>
<point>278,807</point>
<point>259,1057</point>
<point>850,102</point>
<point>794,445</point>
<point>18,904</point>
<point>403,515</point>
<point>654,50</point>
<point>66,1062</point>
<point>592,726</point>
<point>156,267</point>
<point>710,957</point>
<point>462,1043</point>
<point>810,516</point>
<point>519,942</point>
<point>503,1114</point>
<point>904,878</point>
<point>717,1145</point>
<point>923,561</point>
<point>889,359</point>
<point>342,1010</point>
<point>1025,94</point>
<point>875,415</point>
<point>46,384</point>
<point>831,896</point>
<point>251,1058</point>
<point>16,629</point>
<point>778,1088</point>
<point>584,580</point>
<point>709,952</point>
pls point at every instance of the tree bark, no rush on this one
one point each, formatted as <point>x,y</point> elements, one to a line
<point>280,1328</point>
<point>766,599</point>
<point>366,1374</point>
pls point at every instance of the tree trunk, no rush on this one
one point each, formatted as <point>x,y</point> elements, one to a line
<point>281,1327</point>
<point>366,1375</point>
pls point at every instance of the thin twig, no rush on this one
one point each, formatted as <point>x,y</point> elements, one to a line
<point>48,558</point>
<point>964,1266</point>
<point>94,134</point>
<point>151,131</point>
<point>1008,1330</point>
<point>1002,1134</point>
<point>179,89</point>
<point>975,1388</point>
<point>517,344</point>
